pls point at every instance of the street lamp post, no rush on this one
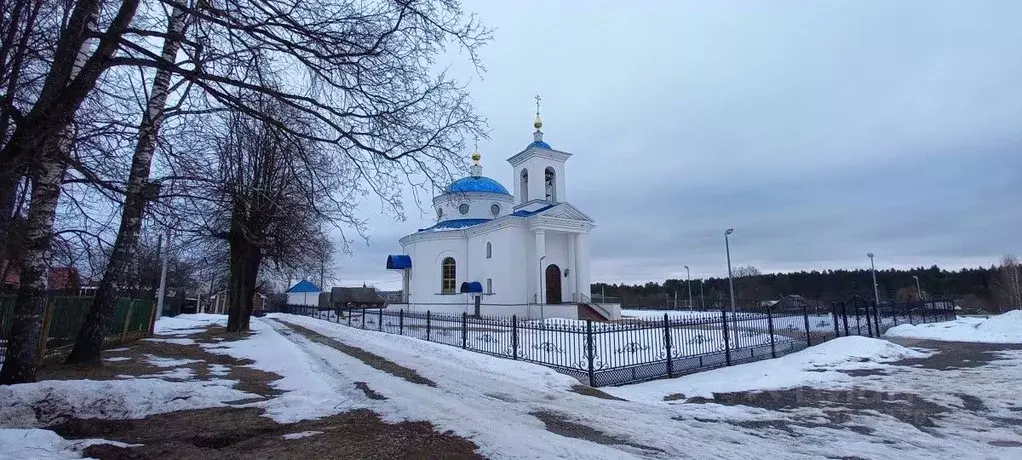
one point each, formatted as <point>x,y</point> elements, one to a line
<point>688,283</point>
<point>919,291</point>
<point>873,268</point>
<point>730,281</point>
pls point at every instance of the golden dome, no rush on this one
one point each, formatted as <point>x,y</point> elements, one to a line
<point>538,123</point>
<point>476,157</point>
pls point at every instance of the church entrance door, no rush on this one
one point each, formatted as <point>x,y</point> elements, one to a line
<point>553,284</point>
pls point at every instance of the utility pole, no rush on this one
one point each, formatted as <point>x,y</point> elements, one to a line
<point>702,297</point>
<point>919,292</point>
<point>688,284</point>
<point>163,280</point>
<point>876,292</point>
<point>730,280</point>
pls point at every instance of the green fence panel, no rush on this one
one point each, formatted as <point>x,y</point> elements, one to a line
<point>67,315</point>
<point>140,316</point>
<point>66,319</point>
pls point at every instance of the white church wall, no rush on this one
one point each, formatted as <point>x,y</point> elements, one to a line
<point>536,189</point>
<point>502,268</point>
<point>479,205</point>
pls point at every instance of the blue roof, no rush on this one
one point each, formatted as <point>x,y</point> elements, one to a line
<point>540,144</point>
<point>304,286</point>
<point>399,262</point>
<point>524,213</point>
<point>476,184</point>
<point>454,224</point>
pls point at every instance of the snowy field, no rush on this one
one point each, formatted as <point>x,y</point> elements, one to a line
<point>1004,328</point>
<point>517,410</point>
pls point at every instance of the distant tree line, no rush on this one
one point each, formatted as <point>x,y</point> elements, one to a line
<point>995,288</point>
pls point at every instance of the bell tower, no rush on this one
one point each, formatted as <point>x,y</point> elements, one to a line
<point>539,170</point>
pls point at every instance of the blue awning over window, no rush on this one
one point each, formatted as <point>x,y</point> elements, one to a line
<point>399,262</point>
<point>472,287</point>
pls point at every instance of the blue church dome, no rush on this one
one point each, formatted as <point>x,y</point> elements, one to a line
<point>540,144</point>
<point>476,184</point>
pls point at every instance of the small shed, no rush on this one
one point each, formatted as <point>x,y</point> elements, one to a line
<point>356,297</point>
<point>303,293</point>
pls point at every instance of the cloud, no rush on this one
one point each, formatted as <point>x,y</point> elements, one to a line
<point>819,130</point>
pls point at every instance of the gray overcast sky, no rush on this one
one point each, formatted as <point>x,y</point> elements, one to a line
<point>819,130</point>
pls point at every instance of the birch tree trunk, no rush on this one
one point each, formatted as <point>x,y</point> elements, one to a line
<point>89,342</point>
<point>30,305</point>
<point>48,173</point>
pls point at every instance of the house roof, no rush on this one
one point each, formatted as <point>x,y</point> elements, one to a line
<point>304,286</point>
<point>355,295</point>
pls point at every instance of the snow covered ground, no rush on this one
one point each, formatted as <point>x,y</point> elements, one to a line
<point>1003,328</point>
<point>25,408</point>
<point>818,365</point>
<point>517,410</point>
<point>496,403</point>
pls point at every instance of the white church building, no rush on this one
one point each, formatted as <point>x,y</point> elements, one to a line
<point>494,253</point>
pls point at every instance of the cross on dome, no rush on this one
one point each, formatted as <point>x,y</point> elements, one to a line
<point>539,122</point>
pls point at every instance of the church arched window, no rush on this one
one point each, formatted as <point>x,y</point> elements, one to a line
<point>448,271</point>
<point>525,185</point>
<point>489,250</point>
<point>550,183</point>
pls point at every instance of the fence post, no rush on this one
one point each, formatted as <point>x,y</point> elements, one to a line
<point>833,311</point>
<point>805,316</point>
<point>514,337</point>
<point>152,319</point>
<point>427,325</point>
<point>380,321</point>
<point>44,334</point>
<point>844,315</point>
<point>908,305</point>
<point>894,312</point>
<point>464,330</point>
<point>127,321</point>
<point>727,342</point>
<point>401,322</point>
<point>589,349</point>
<point>667,345</point>
<point>363,318</point>
<point>349,317</point>
<point>770,326</point>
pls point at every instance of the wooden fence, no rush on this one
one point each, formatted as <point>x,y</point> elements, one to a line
<point>132,320</point>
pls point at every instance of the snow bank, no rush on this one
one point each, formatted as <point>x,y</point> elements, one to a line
<point>19,443</point>
<point>815,366</point>
<point>198,322</point>
<point>50,401</point>
<point>1003,328</point>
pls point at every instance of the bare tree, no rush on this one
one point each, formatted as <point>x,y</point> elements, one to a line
<point>271,191</point>
<point>1008,284</point>
<point>747,284</point>
<point>139,191</point>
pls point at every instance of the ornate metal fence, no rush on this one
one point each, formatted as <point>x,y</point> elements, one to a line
<point>639,349</point>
